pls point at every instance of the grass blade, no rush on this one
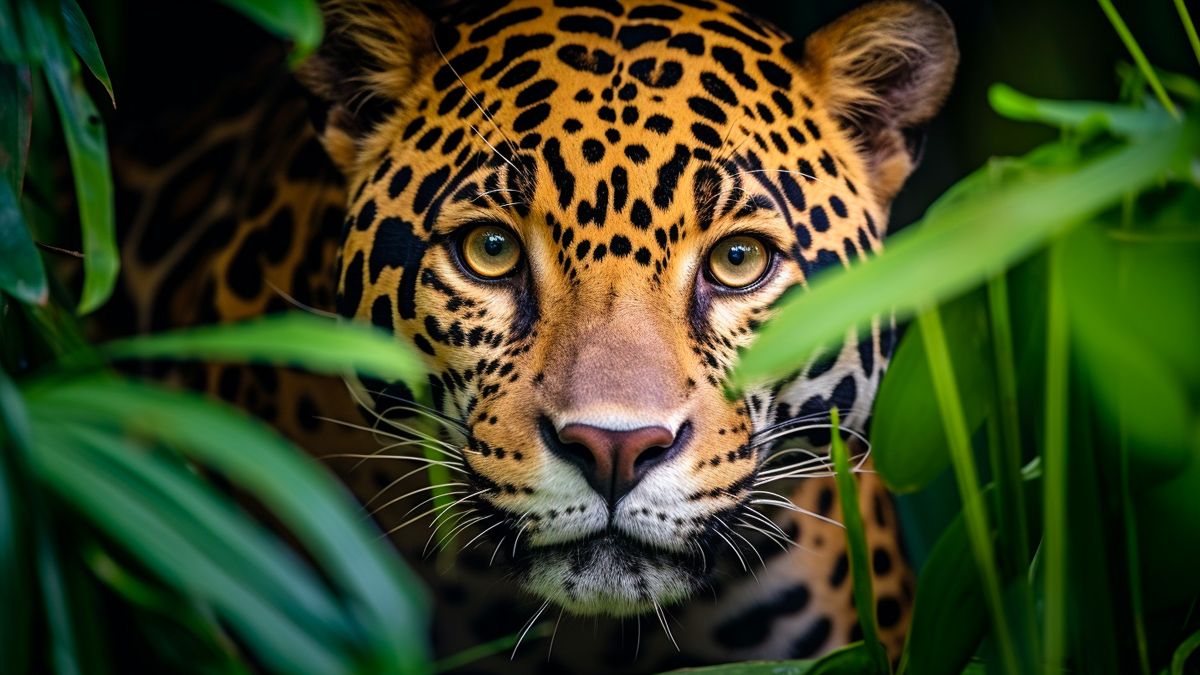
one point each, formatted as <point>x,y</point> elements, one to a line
<point>974,510</point>
<point>1121,120</point>
<point>1006,462</point>
<point>1185,650</point>
<point>1139,57</point>
<point>1188,27</point>
<point>957,247</point>
<point>87,146</point>
<point>1054,459</point>
<point>291,339</point>
<point>103,493</point>
<point>14,530</point>
<point>83,41</point>
<point>856,542</point>
<point>304,497</point>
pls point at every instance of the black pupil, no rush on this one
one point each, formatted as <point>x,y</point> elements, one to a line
<point>737,253</point>
<point>493,243</point>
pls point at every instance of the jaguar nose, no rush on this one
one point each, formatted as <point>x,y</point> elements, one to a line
<point>613,461</point>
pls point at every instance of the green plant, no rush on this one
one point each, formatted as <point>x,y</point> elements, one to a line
<point>1054,298</point>
<point>102,503</point>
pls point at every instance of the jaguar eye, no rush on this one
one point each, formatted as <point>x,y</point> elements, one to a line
<point>491,251</point>
<point>738,261</point>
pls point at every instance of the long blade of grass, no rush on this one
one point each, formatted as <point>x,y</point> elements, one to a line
<point>266,564</point>
<point>954,249</point>
<point>1139,57</point>
<point>103,493</point>
<point>856,542</point>
<point>291,339</point>
<point>14,530</point>
<point>1006,465</point>
<point>974,510</point>
<point>1054,459</point>
<point>1183,652</point>
<point>83,41</point>
<point>304,498</point>
<point>1188,27</point>
<point>1121,120</point>
<point>87,147</point>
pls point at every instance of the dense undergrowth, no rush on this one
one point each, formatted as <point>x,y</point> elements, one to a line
<point>1051,367</point>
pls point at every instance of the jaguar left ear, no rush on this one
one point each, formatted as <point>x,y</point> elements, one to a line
<point>884,70</point>
<point>367,61</point>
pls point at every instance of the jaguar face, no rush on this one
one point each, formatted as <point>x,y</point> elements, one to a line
<point>579,212</point>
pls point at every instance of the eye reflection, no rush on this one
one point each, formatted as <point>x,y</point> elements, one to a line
<point>491,251</point>
<point>738,261</point>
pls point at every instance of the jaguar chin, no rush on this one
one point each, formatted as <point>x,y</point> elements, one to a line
<point>611,573</point>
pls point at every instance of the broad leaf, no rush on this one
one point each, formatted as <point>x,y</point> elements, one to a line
<point>21,272</point>
<point>956,248</point>
<point>87,145</point>
<point>290,339</point>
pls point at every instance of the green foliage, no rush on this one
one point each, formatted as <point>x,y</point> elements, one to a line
<point>1055,298</point>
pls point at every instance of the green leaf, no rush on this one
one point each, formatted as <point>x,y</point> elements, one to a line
<point>950,613</point>
<point>87,145</point>
<point>83,41</point>
<point>856,542</point>
<point>908,442</point>
<point>14,529</point>
<point>752,668</point>
<point>946,389</point>
<point>21,272</point>
<point>1133,372</point>
<point>955,248</point>
<point>16,107</point>
<point>1185,650</point>
<point>292,339</point>
<point>1121,120</point>
<point>302,496</point>
<point>296,20</point>
<point>114,501</point>
<point>853,659</point>
<point>11,50</point>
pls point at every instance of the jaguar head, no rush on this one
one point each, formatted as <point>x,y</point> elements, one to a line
<point>578,212</point>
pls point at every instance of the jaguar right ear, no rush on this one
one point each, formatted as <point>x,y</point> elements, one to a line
<point>884,70</point>
<point>367,61</point>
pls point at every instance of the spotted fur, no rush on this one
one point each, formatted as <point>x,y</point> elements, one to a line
<point>619,141</point>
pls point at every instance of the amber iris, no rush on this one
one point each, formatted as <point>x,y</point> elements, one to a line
<point>491,251</point>
<point>738,261</point>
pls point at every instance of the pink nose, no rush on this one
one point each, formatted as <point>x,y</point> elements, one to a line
<point>613,461</point>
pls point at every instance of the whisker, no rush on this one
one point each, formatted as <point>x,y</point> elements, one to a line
<point>300,305</point>
<point>792,507</point>
<point>528,625</point>
<point>476,537</point>
<point>498,545</point>
<point>662,619</point>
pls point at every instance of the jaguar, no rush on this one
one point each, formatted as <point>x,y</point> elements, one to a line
<point>577,212</point>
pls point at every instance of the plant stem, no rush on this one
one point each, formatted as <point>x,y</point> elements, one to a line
<point>856,542</point>
<point>974,515</point>
<point>1007,466</point>
<point>1054,453</point>
<point>1188,27</point>
<point>1138,55</point>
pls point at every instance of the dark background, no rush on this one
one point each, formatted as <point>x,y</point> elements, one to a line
<point>176,50</point>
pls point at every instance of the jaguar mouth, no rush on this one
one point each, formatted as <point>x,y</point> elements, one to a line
<point>611,573</point>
